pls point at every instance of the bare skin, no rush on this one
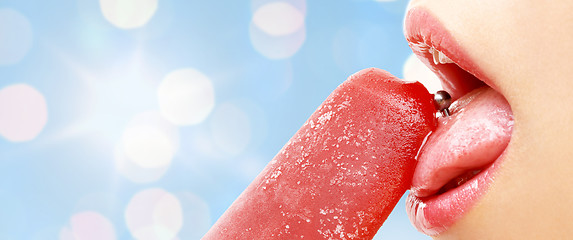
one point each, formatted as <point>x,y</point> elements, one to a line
<point>526,48</point>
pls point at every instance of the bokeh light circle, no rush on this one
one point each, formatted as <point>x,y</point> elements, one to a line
<point>277,30</point>
<point>128,14</point>
<point>278,19</point>
<point>147,147</point>
<point>154,214</point>
<point>88,225</point>
<point>186,97</point>
<point>15,36</point>
<point>298,4</point>
<point>415,70</point>
<point>230,127</point>
<point>23,112</point>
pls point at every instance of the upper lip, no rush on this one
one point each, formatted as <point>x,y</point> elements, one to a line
<point>459,78</point>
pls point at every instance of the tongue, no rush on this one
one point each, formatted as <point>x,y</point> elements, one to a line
<point>472,138</point>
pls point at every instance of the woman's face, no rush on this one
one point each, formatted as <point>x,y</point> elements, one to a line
<point>525,48</point>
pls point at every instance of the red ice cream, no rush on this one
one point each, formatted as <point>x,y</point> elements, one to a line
<point>343,172</point>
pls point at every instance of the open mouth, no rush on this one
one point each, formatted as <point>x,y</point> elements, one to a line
<point>456,164</point>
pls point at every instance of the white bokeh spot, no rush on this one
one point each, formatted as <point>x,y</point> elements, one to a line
<point>298,4</point>
<point>277,29</point>
<point>154,214</point>
<point>88,225</point>
<point>415,70</point>
<point>278,19</point>
<point>128,14</point>
<point>186,97</point>
<point>23,112</point>
<point>15,36</point>
<point>147,147</point>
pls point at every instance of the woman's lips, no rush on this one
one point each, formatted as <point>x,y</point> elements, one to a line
<point>457,163</point>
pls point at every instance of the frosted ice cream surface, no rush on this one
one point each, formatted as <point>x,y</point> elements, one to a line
<point>343,172</point>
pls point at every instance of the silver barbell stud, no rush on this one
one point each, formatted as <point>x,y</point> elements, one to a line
<point>442,101</point>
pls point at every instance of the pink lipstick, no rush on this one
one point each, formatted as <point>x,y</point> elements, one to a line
<point>457,164</point>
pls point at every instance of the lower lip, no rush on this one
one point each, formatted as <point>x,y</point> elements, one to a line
<point>435,214</point>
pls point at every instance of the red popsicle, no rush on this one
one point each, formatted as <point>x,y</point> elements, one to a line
<point>342,173</point>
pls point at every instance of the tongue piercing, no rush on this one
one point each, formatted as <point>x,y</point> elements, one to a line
<point>442,101</point>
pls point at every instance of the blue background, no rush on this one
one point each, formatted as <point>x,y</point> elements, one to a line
<point>77,57</point>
